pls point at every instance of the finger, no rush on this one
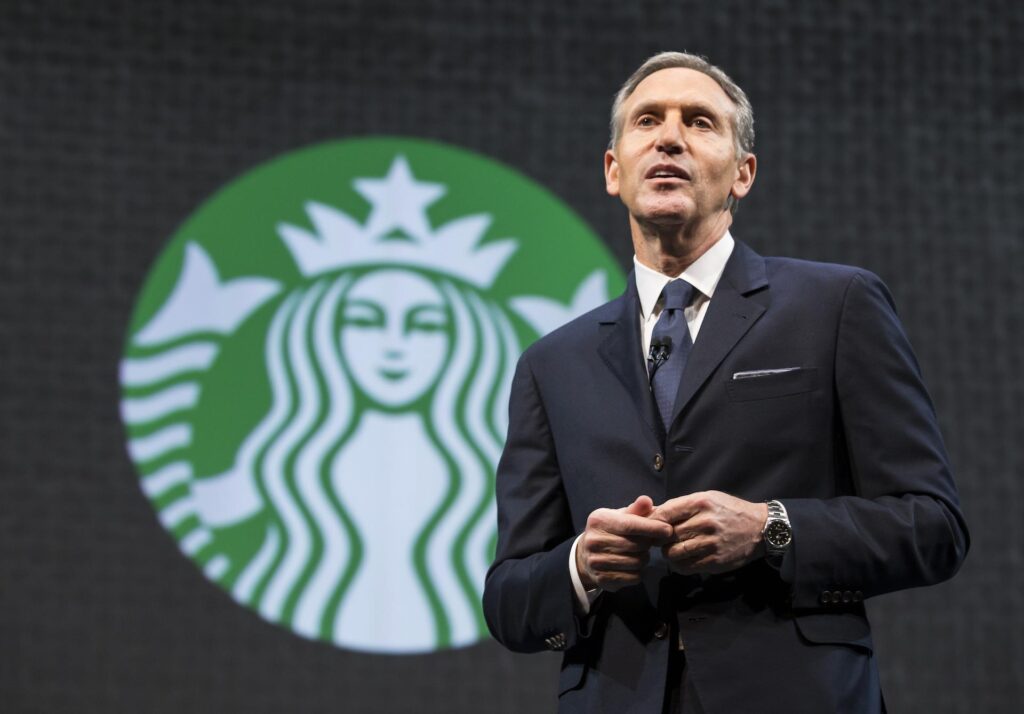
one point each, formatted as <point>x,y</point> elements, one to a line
<point>628,525</point>
<point>604,542</point>
<point>690,551</point>
<point>611,562</point>
<point>642,506</point>
<point>638,527</point>
<point>681,508</point>
<point>694,527</point>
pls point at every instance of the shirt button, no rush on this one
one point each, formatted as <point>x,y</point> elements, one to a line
<point>659,462</point>
<point>661,631</point>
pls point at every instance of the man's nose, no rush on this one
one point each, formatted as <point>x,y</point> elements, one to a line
<point>670,138</point>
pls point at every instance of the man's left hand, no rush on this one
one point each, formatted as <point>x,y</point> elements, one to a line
<point>713,531</point>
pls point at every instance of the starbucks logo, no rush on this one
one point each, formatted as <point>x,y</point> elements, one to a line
<point>316,375</point>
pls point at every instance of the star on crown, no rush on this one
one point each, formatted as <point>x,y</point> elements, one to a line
<point>398,203</point>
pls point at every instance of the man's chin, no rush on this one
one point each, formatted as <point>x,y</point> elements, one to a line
<point>665,216</point>
<point>665,206</point>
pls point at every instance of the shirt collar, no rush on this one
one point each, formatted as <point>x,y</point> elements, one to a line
<point>703,274</point>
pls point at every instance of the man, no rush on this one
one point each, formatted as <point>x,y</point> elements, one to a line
<point>705,478</point>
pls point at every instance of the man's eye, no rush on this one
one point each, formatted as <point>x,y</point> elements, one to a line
<point>645,121</point>
<point>701,123</point>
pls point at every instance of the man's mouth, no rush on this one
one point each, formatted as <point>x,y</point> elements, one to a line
<point>667,171</point>
<point>393,375</point>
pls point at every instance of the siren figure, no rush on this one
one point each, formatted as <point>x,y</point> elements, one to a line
<point>388,391</point>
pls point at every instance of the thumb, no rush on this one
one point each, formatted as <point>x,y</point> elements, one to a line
<point>642,506</point>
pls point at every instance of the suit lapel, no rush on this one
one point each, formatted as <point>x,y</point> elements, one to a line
<point>731,312</point>
<point>621,350</point>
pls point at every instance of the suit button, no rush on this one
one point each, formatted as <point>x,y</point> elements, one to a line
<point>555,642</point>
<point>847,596</point>
<point>858,596</point>
<point>661,631</point>
<point>826,597</point>
<point>659,462</point>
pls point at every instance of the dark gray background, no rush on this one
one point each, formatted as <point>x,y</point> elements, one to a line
<point>888,137</point>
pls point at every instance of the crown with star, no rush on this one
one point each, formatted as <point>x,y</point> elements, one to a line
<point>398,205</point>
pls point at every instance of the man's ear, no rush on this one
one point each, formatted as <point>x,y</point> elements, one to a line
<point>611,173</point>
<point>745,172</point>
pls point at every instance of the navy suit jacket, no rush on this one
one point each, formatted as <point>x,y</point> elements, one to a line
<point>847,440</point>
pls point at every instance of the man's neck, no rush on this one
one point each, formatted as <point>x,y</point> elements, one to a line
<point>671,249</point>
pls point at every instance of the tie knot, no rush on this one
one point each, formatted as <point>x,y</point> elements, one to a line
<point>678,295</point>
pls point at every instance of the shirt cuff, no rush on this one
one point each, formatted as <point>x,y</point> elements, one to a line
<point>584,598</point>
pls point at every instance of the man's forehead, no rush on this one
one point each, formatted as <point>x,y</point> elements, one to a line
<point>679,85</point>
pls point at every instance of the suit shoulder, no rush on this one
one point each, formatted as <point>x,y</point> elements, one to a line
<point>833,285</point>
<point>815,273</point>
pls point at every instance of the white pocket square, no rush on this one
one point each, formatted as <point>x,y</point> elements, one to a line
<point>754,373</point>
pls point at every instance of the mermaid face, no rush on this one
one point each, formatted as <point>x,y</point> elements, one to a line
<point>395,335</point>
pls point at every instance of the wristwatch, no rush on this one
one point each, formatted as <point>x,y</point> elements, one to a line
<point>777,533</point>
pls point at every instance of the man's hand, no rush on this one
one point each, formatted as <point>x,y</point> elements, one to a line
<point>713,532</point>
<point>615,545</point>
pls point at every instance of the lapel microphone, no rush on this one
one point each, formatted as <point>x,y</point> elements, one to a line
<point>661,348</point>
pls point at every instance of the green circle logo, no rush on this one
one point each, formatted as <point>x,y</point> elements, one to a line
<point>315,380</point>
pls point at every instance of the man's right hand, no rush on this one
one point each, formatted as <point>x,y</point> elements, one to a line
<point>615,545</point>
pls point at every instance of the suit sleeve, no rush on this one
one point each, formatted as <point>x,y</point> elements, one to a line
<point>528,594</point>
<point>902,527</point>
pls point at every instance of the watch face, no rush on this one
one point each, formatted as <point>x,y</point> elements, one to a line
<point>778,534</point>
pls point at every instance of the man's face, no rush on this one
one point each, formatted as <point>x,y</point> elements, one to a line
<point>675,162</point>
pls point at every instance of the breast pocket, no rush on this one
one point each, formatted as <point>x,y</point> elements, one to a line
<point>770,383</point>
<point>776,410</point>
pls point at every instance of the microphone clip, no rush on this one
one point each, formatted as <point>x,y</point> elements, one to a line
<point>661,349</point>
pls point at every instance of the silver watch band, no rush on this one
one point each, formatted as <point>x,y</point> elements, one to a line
<point>777,510</point>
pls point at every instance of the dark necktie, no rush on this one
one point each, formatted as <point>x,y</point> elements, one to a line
<point>671,326</point>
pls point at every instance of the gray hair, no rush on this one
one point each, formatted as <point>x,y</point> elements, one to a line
<point>742,118</point>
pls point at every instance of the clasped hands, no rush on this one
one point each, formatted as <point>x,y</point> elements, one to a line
<point>706,532</point>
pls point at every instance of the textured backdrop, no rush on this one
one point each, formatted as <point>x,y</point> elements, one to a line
<point>888,137</point>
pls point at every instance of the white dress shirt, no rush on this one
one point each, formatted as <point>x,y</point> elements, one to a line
<point>703,274</point>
